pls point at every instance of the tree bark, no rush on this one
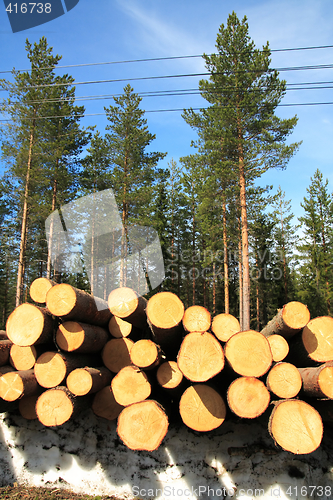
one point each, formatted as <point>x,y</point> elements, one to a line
<point>318,381</point>
<point>104,404</point>
<point>288,321</point>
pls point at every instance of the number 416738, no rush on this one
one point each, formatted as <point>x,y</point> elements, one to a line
<point>29,8</point>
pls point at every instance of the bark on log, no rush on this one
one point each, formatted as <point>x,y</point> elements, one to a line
<point>279,347</point>
<point>128,305</point>
<point>116,354</point>
<point>197,319</point>
<point>165,312</point>
<point>5,346</point>
<point>29,325</point>
<point>56,406</point>
<point>6,368</point>
<point>104,404</point>
<point>130,385</point>
<point>225,325</point>
<point>27,406</point>
<point>145,354</point>
<point>296,426</point>
<point>202,408</point>
<point>119,328</point>
<point>288,321</point>
<point>88,380</point>
<point>317,338</point>
<point>70,303</point>
<point>51,368</point>
<point>3,335</point>
<point>22,358</point>
<point>284,380</point>
<point>15,385</point>
<point>248,397</point>
<point>200,356</point>
<point>143,425</point>
<point>318,381</point>
<point>39,288</point>
<point>80,337</point>
<point>248,353</point>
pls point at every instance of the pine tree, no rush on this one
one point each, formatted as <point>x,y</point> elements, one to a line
<point>244,92</point>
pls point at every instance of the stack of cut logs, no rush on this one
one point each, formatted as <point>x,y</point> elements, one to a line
<point>145,363</point>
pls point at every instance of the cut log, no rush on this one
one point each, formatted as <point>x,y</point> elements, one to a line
<point>225,325</point>
<point>56,406</point>
<point>248,397</point>
<point>248,353</point>
<point>288,321</point>
<point>3,335</point>
<point>128,305</point>
<point>196,319</point>
<point>146,354</point>
<point>29,324</point>
<point>51,368</point>
<point>279,347</point>
<point>284,380</point>
<point>296,426</point>
<point>116,354</point>
<point>130,385</point>
<point>39,288</point>
<point>143,425</point>
<point>318,381</point>
<point>202,408</point>
<point>104,404</point>
<point>168,375</point>
<point>200,356</point>
<point>317,338</point>
<point>22,358</point>
<point>119,328</point>
<point>27,406</point>
<point>70,303</point>
<point>5,346</point>
<point>80,337</point>
<point>165,312</point>
<point>15,385</point>
<point>88,380</point>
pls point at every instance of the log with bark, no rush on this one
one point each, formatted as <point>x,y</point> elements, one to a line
<point>70,303</point>
<point>29,325</point>
<point>165,312</point>
<point>130,385</point>
<point>56,406</point>
<point>3,335</point>
<point>248,397</point>
<point>128,305</point>
<point>284,380</point>
<point>5,346</point>
<point>143,425</point>
<point>80,337</point>
<point>200,356</point>
<point>104,404</point>
<point>197,319</point>
<point>116,354</point>
<point>88,380</point>
<point>14,385</point>
<point>27,406</point>
<point>318,381</point>
<point>225,325</point>
<point>296,426</point>
<point>145,354</point>
<point>202,408</point>
<point>248,353</point>
<point>39,288</point>
<point>288,321</point>
<point>51,367</point>
<point>317,338</point>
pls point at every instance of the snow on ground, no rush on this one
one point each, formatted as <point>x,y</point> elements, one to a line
<point>239,460</point>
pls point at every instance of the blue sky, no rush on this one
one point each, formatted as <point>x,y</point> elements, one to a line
<point>123,30</point>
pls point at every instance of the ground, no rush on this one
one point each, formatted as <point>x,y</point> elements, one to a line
<point>25,493</point>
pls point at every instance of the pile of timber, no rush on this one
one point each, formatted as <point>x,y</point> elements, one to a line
<point>146,363</point>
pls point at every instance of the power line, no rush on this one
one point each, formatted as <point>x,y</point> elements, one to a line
<point>83,115</point>
<point>168,58</point>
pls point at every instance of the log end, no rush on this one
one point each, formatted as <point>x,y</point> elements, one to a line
<point>202,408</point>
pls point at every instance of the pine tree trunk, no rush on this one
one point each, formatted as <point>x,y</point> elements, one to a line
<point>225,259</point>
<point>318,381</point>
<point>5,346</point>
<point>288,321</point>
<point>24,227</point>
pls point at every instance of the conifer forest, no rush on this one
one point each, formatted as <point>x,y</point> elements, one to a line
<point>227,244</point>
